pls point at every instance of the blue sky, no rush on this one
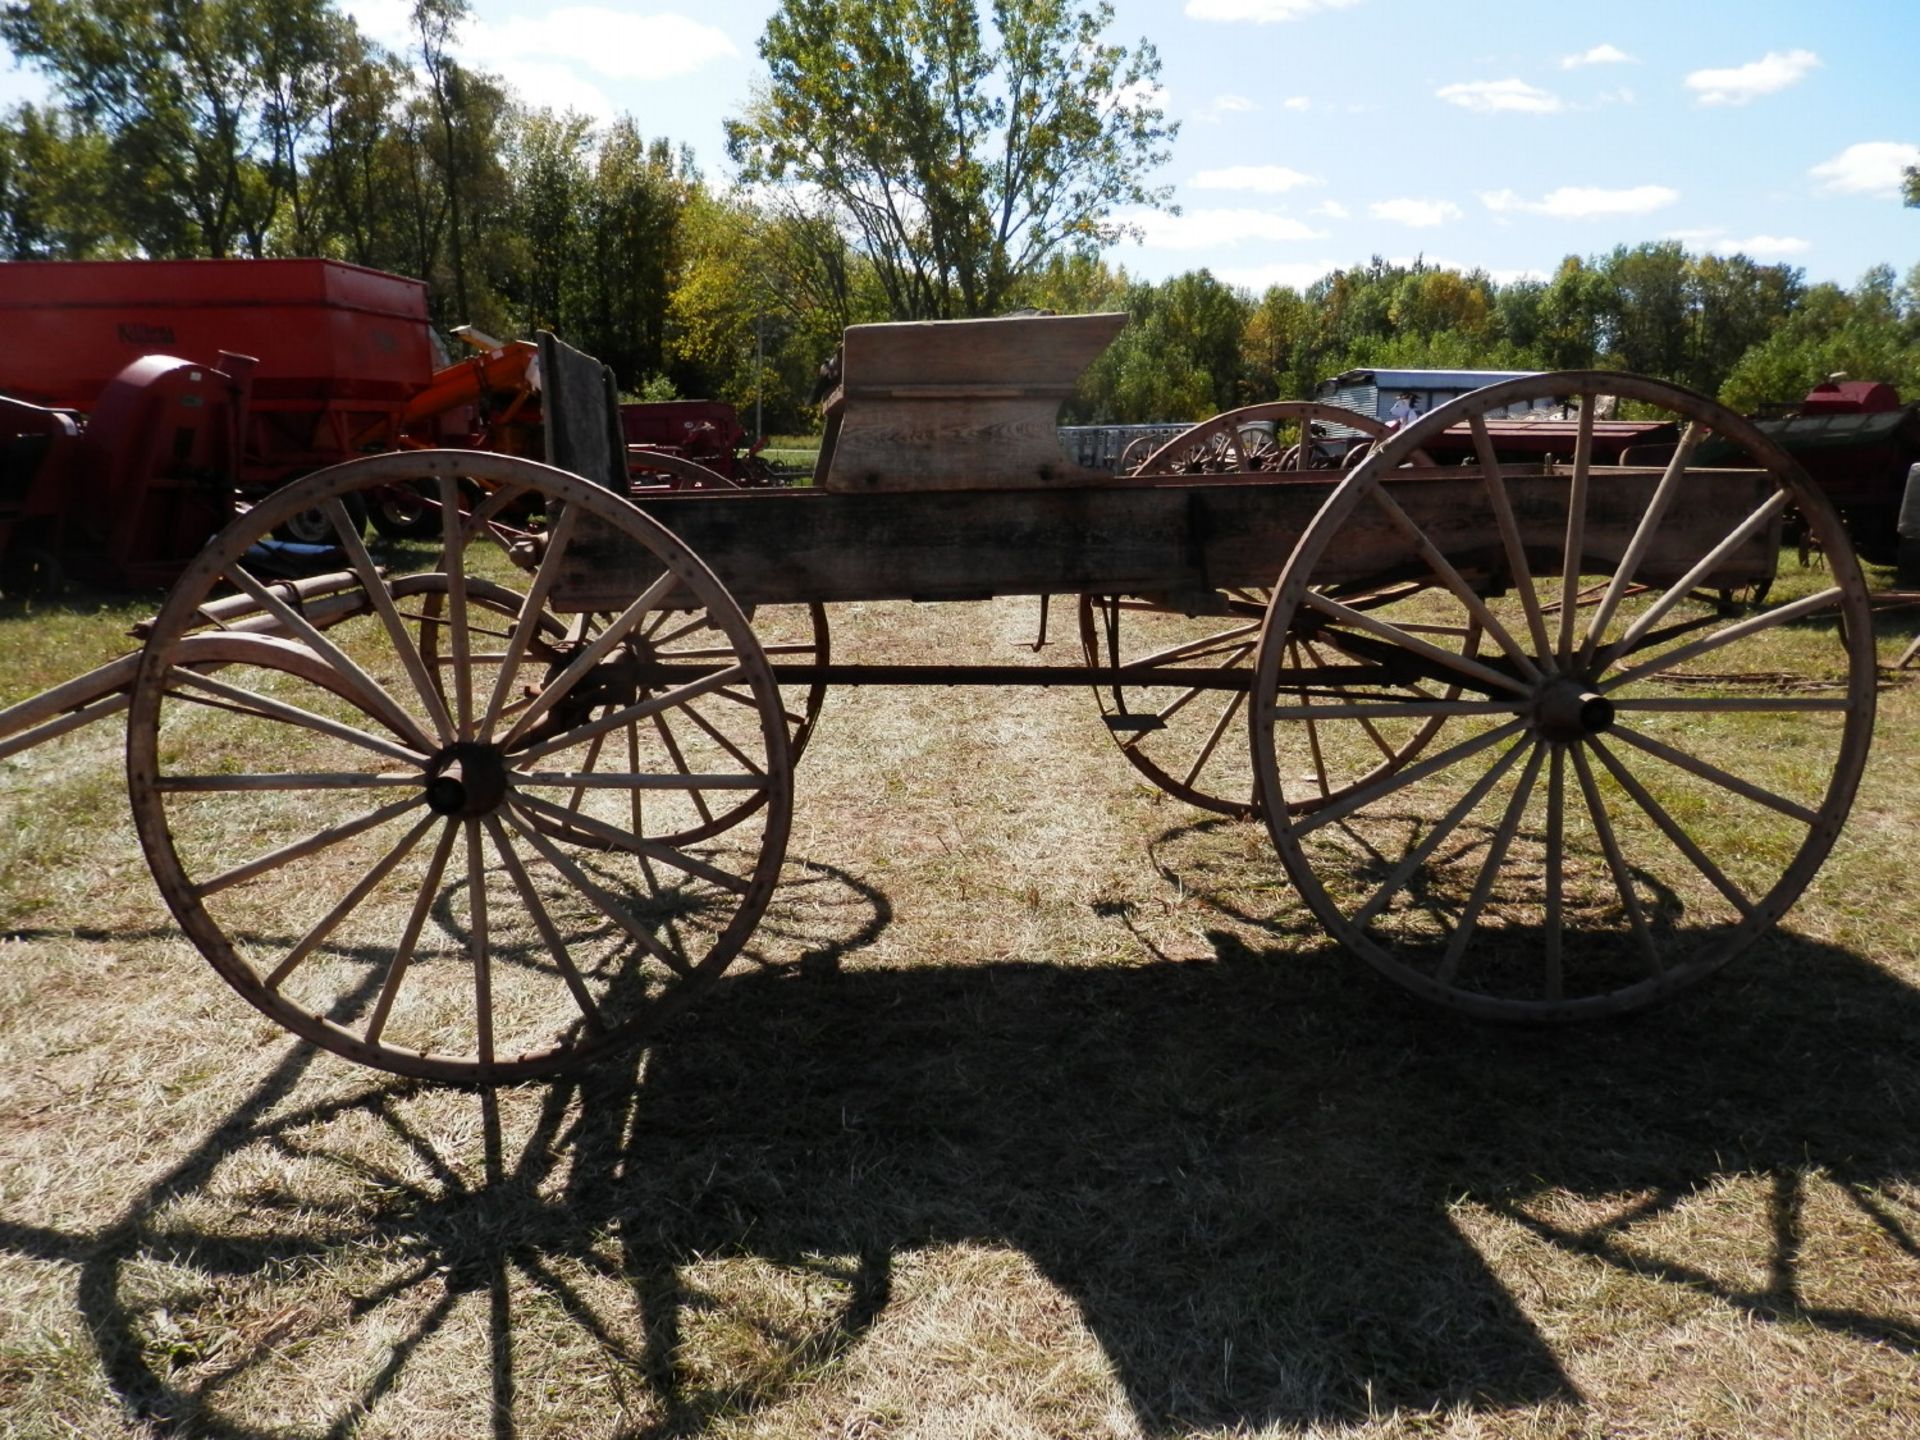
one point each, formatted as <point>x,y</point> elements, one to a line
<point>1316,133</point>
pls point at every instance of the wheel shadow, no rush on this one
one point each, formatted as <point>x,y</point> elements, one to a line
<point>1245,1172</point>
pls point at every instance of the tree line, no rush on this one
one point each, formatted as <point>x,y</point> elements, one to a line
<point>905,159</point>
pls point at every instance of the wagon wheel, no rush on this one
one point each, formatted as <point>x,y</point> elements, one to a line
<point>1226,443</point>
<point>1185,736</point>
<point>1184,739</point>
<point>363,853</point>
<point>786,634</point>
<point>1627,791</point>
<point>403,512</point>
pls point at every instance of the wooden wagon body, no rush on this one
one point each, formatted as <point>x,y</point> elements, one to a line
<point>1481,709</point>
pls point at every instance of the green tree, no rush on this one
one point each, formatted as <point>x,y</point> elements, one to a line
<point>53,187</point>
<point>960,164</point>
<point>201,103</point>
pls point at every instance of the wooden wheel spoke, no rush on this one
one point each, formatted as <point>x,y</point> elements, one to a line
<point>1741,630</point>
<point>410,936</point>
<point>453,561</point>
<point>1389,708</point>
<point>1364,795</point>
<point>311,845</point>
<point>1693,765</point>
<point>1451,660</point>
<point>597,650</point>
<point>328,923</point>
<point>1574,555</point>
<point>1731,704</point>
<point>1371,730</point>
<point>1642,540</point>
<point>1489,870</point>
<point>1522,572</point>
<point>397,636</point>
<point>1684,587</point>
<point>550,936</point>
<point>368,692</point>
<point>1616,862</point>
<point>251,702</point>
<point>1204,646</point>
<point>681,779</point>
<point>628,714</point>
<point>1671,828</point>
<point>530,614</point>
<point>488,510</point>
<point>719,738</point>
<point>750,703</point>
<point>477,948</point>
<point>290,780</point>
<point>626,840</point>
<point>1435,837</point>
<point>1312,724</point>
<point>680,764</point>
<point>1213,739</point>
<point>1450,577</point>
<point>1552,959</point>
<point>697,623</point>
<point>586,766</point>
<point>601,899</point>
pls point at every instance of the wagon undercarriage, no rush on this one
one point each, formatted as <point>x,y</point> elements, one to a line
<point>487,818</point>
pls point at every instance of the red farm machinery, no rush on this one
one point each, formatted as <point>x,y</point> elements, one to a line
<point>141,401</point>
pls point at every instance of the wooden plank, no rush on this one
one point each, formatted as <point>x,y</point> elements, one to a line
<point>781,547</point>
<point>961,404</point>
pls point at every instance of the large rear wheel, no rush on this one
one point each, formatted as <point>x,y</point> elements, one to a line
<point>1652,757</point>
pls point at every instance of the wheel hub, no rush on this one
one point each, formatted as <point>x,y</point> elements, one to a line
<point>1565,709</point>
<point>466,781</point>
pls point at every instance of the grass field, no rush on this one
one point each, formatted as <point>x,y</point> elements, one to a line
<point>1038,1106</point>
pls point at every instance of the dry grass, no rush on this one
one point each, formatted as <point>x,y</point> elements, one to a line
<point>1040,1108</point>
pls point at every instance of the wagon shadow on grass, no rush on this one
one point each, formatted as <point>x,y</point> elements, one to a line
<point>1240,1170</point>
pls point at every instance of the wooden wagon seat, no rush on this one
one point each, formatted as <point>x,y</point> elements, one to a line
<point>960,404</point>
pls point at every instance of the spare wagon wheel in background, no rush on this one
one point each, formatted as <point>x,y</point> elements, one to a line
<point>1187,738</point>
<point>362,844</point>
<point>1630,784</point>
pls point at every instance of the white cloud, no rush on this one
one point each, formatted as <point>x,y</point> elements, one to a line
<point>1296,102</point>
<point>1488,96</point>
<point>1294,274</point>
<point>1741,83</point>
<point>1764,247</point>
<point>1261,12</point>
<point>1583,202</point>
<point>1419,214</point>
<point>1225,105</point>
<point>1623,96</point>
<point>1267,179</point>
<point>388,21</point>
<point>1332,209</point>
<point>552,85</point>
<point>1871,168</point>
<point>1598,55</point>
<point>1208,229</point>
<point>616,44</point>
<point>1715,241</point>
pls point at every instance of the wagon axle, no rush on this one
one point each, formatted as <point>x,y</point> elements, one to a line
<point>466,781</point>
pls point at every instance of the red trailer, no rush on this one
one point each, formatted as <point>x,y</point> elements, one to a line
<point>340,349</point>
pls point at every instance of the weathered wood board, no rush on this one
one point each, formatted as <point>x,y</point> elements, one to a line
<point>1180,537</point>
<point>961,404</point>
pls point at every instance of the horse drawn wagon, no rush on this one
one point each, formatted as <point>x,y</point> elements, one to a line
<point>1538,739</point>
